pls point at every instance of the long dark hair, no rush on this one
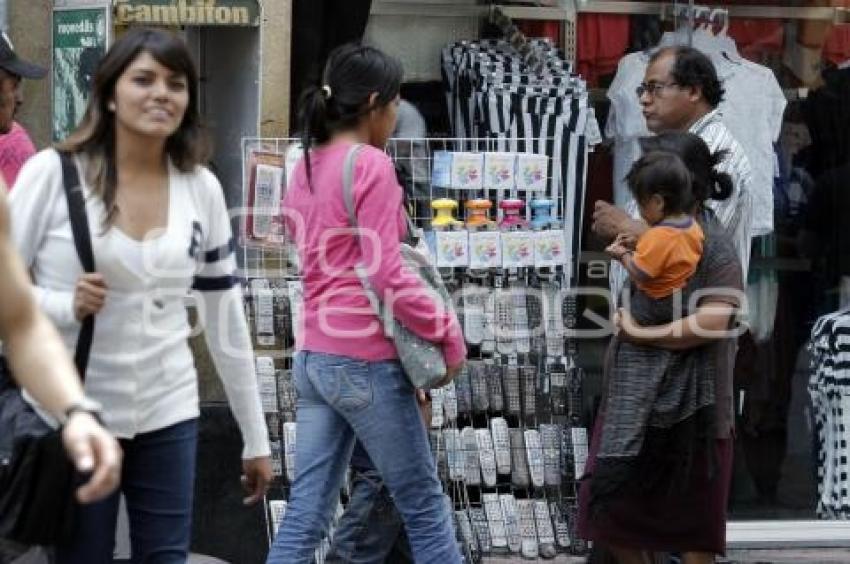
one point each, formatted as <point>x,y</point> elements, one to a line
<point>94,137</point>
<point>707,183</point>
<point>352,74</point>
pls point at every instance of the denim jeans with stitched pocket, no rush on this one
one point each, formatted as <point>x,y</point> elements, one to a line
<point>370,530</point>
<point>340,398</point>
<point>158,477</point>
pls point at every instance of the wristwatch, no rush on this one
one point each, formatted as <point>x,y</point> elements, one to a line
<point>86,405</point>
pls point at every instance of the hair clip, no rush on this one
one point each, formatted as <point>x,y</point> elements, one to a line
<point>327,90</point>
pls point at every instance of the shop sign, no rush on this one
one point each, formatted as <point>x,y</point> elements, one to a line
<point>79,42</point>
<point>187,12</point>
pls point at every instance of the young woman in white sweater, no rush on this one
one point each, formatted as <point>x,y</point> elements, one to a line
<point>160,229</point>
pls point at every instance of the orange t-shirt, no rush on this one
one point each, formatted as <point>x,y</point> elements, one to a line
<point>668,254</point>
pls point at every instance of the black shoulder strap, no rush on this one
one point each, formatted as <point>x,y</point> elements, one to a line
<point>82,241</point>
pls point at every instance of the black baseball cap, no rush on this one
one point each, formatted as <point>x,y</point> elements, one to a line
<point>10,62</point>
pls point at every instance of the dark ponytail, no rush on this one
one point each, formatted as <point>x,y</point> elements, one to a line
<point>352,74</point>
<point>707,182</point>
<point>720,183</point>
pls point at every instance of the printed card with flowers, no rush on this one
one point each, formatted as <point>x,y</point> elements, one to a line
<point>517,249</point>
<point>499,170</point>
<point>485,249</point>
<point>467,171</point>
<point>550,248</point>
<point>531,171</point>
<point>452,248</point>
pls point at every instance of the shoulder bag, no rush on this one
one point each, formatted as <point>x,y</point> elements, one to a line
<point>37,479</point>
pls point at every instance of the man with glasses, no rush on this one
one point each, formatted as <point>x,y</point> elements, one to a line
<point>681,92</point>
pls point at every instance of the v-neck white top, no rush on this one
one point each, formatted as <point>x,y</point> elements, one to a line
<point>141,368</point>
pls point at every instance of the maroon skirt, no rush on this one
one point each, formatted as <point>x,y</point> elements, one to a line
<point>692,520</point>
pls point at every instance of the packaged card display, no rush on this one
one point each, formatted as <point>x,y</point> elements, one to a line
<point>467,171</point>
<point>452,248</point>
<point>517,249</point>
<point>550,248</point>
<point>263,220</point>
<point>531,171</point>
<point>499,171</point>
<point>485,249</point>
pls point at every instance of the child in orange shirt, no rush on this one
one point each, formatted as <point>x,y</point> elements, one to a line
<point>666,255</point>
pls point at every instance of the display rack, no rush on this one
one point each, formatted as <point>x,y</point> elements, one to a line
<point>510,433</point>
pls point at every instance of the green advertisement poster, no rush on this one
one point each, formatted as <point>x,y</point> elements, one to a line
<point>79,42</point>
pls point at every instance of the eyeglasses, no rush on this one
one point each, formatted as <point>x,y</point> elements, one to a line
<point>652,88</point>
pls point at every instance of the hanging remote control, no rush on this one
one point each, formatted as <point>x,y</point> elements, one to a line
<point>536,325</point>
<point>562,527</point>
<point>437,416</point>
<point>550,436</point>
<point>438,451</point>
<point>494,386</point>
<point>481,528</point>
<point>578,545</point>
<point>501,444</point>
<point>488,343</point>
<point>522,334</point>
<point>466,533</point>
<point>570,313</point>
<point>527,528</point>
<point>511,388</point>
<point>289,436</point>
<point>487,456</point>
<point>287,395</point>
<point>454,454</point>
<point>504,320</point>
<point>263,311</point>
<point>267,383</point>
<point>579,441</point>
<point>575,393</point>
<point>519,460</point>
<point>474,323</point>
<point>567,458</point>
<point>277,511</point>
<point>534,450</point>
<point>529,390</point>
<point>275,426</point>
<point>545,534</point>
<point>463,389</point>
<point>495,520</point>
<point>450,402</point>
<point>554,323</point>
<point>472,464</point>
<point>558,388</point>
<point>277,458</point>
<point>478,380</point>
<point>509,511</point>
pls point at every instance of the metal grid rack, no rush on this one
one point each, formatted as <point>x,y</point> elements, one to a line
<point>537,389</point>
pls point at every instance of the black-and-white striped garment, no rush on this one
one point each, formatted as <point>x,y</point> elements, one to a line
<point>829,389</point>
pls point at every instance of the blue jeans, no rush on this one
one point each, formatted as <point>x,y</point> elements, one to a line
<point>157,480</point>
<point>371,530</point>
<point>340,398</point>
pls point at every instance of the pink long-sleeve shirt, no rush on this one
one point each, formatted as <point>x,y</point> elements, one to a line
<point>337,317</point>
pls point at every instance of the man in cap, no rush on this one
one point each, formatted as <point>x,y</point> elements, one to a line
<point>15,143</point>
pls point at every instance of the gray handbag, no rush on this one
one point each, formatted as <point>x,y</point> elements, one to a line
<point>422,360</point>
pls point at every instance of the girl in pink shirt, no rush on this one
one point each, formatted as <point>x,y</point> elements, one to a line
<point>349,381</point>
